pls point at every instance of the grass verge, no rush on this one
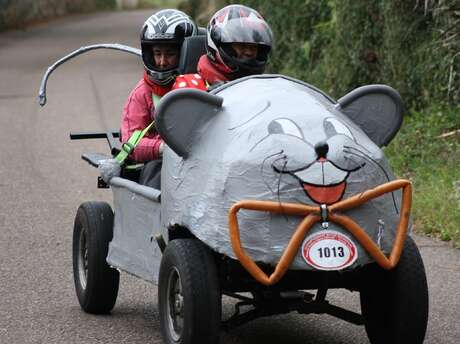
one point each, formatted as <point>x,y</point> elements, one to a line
<point>427,151</point>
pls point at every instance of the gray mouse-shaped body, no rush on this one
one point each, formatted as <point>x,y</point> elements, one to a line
<point>273,138</point>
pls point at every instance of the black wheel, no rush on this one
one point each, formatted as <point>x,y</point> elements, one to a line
<point>394,303</point>
<point>189,296</point>
<point>96,283</point>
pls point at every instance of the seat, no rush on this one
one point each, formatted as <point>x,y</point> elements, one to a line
<point>192,49</point>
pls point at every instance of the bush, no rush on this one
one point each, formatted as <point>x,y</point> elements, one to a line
<point>16,14</point>
<point>340,45</point>
<point>427,151</point>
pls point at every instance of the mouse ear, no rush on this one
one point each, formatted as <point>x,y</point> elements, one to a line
<point>377,109</point>
<point>182,115</point>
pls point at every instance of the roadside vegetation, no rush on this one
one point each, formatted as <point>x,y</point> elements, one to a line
<point>19,14</point>
<point>427,152</point>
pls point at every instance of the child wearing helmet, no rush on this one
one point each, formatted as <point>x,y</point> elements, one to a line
<point>161,38</point>
<point>238,43</point>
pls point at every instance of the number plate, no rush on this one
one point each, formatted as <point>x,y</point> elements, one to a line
<point>329,250</point>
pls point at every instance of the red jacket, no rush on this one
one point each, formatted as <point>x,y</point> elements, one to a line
<point>208,72</point>
<point>138,113</point>
<point>211,72</point>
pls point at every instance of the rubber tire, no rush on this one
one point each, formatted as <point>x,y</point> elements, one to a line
<point>100,293</point>
<point>200,289</point>
<point>394,303</point>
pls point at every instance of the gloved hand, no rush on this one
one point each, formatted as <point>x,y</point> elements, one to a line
<point>109,168</point>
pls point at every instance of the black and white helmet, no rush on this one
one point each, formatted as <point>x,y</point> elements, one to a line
<point>165,26</point>
<point>238,24</point>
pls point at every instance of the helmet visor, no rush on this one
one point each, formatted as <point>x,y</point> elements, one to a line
<point>160,56</point>
<point>250,29</point>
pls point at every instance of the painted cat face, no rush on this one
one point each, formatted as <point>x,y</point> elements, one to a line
<point>321,168</point>
<point>283,138</point>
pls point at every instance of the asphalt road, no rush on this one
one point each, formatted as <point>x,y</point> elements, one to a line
<point>43,181</point>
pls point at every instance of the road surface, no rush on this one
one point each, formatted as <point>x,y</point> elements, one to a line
<point>43,181</point>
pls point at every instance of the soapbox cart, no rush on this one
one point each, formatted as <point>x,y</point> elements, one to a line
<point>272,193</point>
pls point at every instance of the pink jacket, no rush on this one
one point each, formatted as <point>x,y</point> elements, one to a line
<point>138,113</point>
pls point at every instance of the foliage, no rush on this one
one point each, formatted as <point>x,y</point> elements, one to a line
<point>19,13</point>
<point>339,45</point>
<point>201,10</point>
<point>105,4</point>
<point>427,151</point>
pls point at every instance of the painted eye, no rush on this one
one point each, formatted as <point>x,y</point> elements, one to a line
<point>284,126</point>
<point>332,127</point>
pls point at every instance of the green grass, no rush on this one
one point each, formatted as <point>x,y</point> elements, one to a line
<point>432,163</point>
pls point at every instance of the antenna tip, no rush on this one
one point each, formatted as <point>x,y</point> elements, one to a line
<point>42,99</point>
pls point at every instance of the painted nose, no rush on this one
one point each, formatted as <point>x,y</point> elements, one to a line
<point>321,149</point>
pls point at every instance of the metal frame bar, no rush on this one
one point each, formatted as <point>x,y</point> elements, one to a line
<point>109,135</point>
<point>305,304</point>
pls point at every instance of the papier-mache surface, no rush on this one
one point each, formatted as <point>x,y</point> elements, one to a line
<point>260,145</point>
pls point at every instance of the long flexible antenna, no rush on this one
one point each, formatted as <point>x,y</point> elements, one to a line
<point>113,46</point>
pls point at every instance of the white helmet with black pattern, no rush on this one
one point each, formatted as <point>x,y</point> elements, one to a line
<point>165,26</point>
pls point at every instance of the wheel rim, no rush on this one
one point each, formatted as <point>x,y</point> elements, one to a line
<point>82,258</point>
<point>175,305</point>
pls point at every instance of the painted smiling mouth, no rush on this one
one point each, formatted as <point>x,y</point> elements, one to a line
<point>325,194</point>
<point>323,182</point>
